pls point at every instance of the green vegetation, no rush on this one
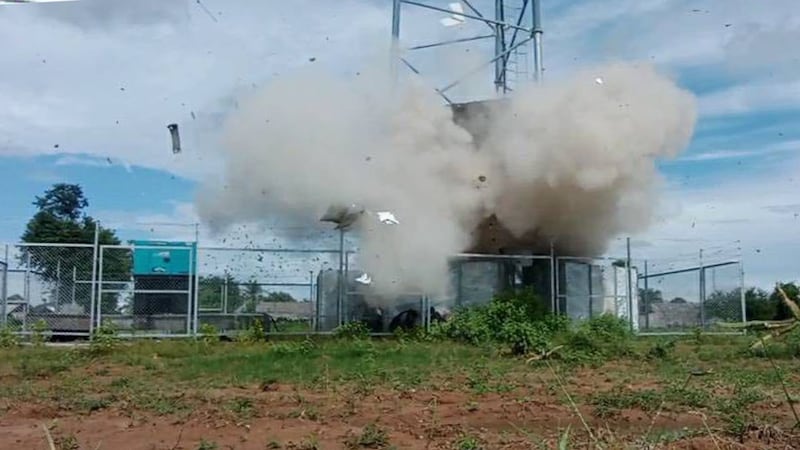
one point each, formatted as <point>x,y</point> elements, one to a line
<point>61,218</point>
<point>595,374</point>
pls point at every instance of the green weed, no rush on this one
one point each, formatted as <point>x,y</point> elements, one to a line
<point>39,333</point>
<point>351,331</point>
<point>7,338</point>
<point>207,445</point>
<point>372,436</point>
<point>105,339</point>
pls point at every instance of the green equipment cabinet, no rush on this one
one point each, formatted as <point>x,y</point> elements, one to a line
<point>163,274</point>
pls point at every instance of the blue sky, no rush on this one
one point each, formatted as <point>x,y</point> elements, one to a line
<point>103,78</point>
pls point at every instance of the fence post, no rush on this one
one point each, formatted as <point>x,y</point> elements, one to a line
<point>646,299</point>
<point>93,293</point>
<point>4,292</point>
<point>743,298</point>
<point>314,319</point>
<point>590,289</point>
<point>340,285</point>
<point>196,290</point>
<point>702,292</point>
<point>189,294</point>
<point>99,298</point>
<point>630,282</point>
<point>345,283</point>
<point>553,296</point>
<point>26,289</point>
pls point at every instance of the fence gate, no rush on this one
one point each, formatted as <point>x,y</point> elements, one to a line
<point>147,290</point>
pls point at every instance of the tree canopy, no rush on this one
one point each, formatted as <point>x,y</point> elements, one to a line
<point>60,219</point>
<point>759,305</point>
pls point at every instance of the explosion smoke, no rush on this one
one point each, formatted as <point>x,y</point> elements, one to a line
<point>571,162</point>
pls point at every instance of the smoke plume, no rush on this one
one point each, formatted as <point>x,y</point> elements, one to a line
<point>570,162</point>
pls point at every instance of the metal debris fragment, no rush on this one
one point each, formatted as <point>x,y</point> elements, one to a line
<point>176,138</point>
<point>207,11</point>
<point>364,279</point>
<point>387,218</point>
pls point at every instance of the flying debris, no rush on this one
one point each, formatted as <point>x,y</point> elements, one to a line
<point>342,216</point>
<point>598,80</point>
<point>176,138</point>
<point>388,218</point>
<point>206,10</point>
<point>457,18</point>
<point>364,279</point>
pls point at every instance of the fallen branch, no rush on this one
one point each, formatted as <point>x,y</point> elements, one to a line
<point>49,437</point>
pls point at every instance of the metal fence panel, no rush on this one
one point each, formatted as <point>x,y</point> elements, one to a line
<point>723,295</point>
<point>239,285</point>
<point>680,300</point>
<point>48,287</point>
<point>589,287</point>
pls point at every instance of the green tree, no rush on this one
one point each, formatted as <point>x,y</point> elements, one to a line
<point>648,297</point>
<point>727,305</point>
<point>60,218</point>
<point>213,288</point>
<point>279,297</point>
<point>253,296</point>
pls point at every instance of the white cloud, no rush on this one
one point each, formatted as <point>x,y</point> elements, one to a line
<point>752,216</point>
<point>64,74</point>
<point>106,82</point>
<point>752,97</point>
<point>760,151</point>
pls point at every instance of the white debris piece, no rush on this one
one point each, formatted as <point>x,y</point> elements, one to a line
<point>364,279</point>
<point>388,218</point>
<point>598,80</point>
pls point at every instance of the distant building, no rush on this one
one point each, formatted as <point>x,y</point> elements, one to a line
<point>287,310</point>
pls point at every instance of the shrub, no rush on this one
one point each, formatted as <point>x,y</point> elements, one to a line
<point>39,332</point>
<point>104,339</point>
<point>352,330</point>
<point>661,350</point>
<point>7,338</point>
<point>518,320</point>
<point>602,336</point>
<point>208,333</point>
<point>254,333</point>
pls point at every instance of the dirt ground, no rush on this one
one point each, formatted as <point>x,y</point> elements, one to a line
<point>282,416</point>
<point>391,395</point>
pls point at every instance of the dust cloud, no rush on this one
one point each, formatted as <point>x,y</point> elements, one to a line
<point>572,162</point>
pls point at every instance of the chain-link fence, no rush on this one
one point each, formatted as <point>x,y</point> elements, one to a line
<point>679,300</point>
<point>477,278</point>
<point>239,285</point>
<point>48,288</point>
<point>589,287</point>
<point>4,288</point>
<point>172,288</point>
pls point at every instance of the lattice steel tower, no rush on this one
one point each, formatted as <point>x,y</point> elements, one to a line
<point>514,25</point>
